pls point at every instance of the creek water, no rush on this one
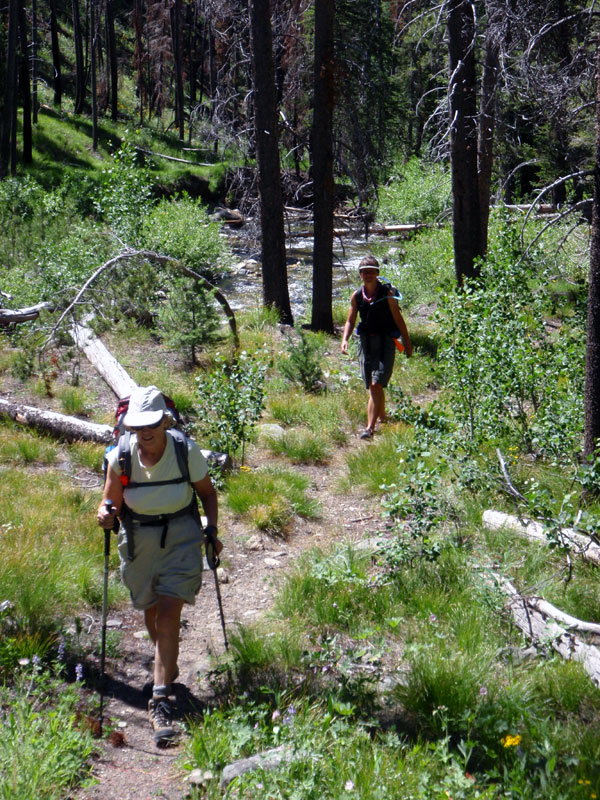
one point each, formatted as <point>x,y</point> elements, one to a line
<point>243,286</point>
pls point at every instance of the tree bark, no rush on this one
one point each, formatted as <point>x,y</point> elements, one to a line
<point>10,91</point>
<point>11,317</point>
<point>580,544</point>
<point>79,66</point>
<point>94,87</point>
<point>34,65</point>
<point>274,266</point>
<point>487,121</point>
<point>175,12</point>
<point>55,55</point>
<point>466,215</point>
<point>25,86</point>
<point>71,428</point>
<point>543,630</point>
<point>592,353</point>
<point>322,167</point>
<point>111,56</point>
<point>114,375</point>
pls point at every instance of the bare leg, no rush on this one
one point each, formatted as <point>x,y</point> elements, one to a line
<point>163,622</point>
<point>376,405</point>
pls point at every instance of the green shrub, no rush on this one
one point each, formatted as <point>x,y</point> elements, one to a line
<point>188,319</point>
<point>418,192</point>
<point>230,402</point>
<point>303,363</point>
<point>182,229</point>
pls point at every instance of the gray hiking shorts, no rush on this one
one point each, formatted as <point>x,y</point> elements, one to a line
<point>174,570</point>
<point>376,355</point>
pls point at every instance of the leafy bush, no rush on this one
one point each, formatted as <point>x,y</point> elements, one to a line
<point>419,192</point>
<point>188,319</point>
<point>124,197</point>
<point>509,375</point>
<point>182,229</point>
<point>231,399</point>
<point>303,364</point>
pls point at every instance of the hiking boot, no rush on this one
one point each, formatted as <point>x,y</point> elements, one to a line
<point>367,434</point>
<point>159,711</point>
<point>149,685</point>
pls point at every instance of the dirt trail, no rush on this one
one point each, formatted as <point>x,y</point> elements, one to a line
<point>138,770</point>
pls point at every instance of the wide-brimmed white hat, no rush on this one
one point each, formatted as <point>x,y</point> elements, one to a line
<point>146,407</point>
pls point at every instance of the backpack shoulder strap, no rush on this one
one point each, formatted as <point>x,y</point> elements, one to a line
<point>124,445</point>
<point>181,451</point>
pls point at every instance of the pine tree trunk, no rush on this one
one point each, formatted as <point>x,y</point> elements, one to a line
<point>111,57</point>
<point>55,55</point>
<point>274,267</point>
<point>79,67</point>
<point>322,167</point>
<point>487,121</point>
<point>25,86</point>
<point>9,114</point>
<point>592,355</point>
<point>466,215</point>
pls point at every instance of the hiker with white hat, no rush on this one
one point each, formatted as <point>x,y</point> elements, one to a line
<point>160,535</point>
<point>380,330</point>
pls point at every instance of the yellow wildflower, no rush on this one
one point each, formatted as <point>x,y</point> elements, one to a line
<point>511,741</point>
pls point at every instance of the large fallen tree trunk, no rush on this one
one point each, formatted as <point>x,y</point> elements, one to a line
<point>75,429</point>
<point>576,542</point>
<point>102,359</point>
<point>70,428</point>
<point>544,630</point>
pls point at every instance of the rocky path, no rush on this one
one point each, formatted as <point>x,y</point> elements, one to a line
<point>130,766</point>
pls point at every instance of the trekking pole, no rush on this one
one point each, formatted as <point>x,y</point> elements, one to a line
<point>213,562</point>
<point>108,504</point>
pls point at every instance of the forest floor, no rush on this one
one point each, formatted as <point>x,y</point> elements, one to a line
<point>129,766</point>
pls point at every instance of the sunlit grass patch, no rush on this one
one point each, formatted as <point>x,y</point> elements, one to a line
<point>300,447</point>
<point>322,414</point>
<point>375,464</point>
<point>88,455</point>
<point>269,498</point>
<point>332,590</point>
<point>52,548</point>
<point>74,400</point>
<point>24,447</point>
<point>328,756</point>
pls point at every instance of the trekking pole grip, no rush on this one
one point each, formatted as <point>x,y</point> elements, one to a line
<point>108,504</point>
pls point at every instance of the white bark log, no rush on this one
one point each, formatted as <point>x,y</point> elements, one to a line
<point>581,545</point>
<point>546,631</point>
<point>12,316</point>
<point>71,428</point>
<point>116,376</point>
<point>75,429</point>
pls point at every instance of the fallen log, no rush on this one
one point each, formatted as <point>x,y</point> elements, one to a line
<point>75,429</point>
<point>577,542</point>
<point>69,428</point>
<point>13,316</point>
<point>544,630</point>
<point>116,376</point>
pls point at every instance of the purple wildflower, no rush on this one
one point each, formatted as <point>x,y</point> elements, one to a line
<point>483,692</point>
<point>79,672</point>
<point>432,618</point>
<point>61,650</point>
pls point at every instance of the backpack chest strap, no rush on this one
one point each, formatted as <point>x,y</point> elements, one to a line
<point>154,520</point>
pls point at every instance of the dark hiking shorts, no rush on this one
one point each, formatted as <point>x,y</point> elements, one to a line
<point>376,355</point>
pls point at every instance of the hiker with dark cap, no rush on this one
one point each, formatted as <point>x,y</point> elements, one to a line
<point>160,535</point>
<point>380,329</point>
